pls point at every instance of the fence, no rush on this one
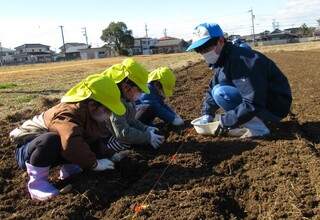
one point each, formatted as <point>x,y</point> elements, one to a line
<point>287,41</point>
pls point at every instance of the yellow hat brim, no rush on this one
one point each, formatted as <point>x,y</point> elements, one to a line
<point>101,89</point>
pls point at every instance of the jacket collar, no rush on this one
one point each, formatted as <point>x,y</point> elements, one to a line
<point>226,49</point>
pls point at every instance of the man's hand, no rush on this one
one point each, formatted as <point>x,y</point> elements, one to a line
<point>206,119</point>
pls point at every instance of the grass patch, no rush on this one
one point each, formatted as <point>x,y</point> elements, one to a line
<point>27,99</point>
<point>7,86</point>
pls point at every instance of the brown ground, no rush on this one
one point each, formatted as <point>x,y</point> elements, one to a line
<point>276,177</point>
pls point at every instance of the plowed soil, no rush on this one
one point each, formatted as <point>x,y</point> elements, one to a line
<point>193,176</point>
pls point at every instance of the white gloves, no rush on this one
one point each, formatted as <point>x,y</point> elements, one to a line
<point>119,156</point>
<point>206,119</point>
<point>156,140</point>
<point>152,129</point>
<point>103,164</point>
<point>177,121</point>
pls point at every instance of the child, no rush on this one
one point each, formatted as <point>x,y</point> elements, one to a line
<point>161,81</point>
<point>68,134</point>
<point>125,130</point>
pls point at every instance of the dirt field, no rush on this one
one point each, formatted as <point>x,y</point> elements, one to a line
<point>194,176</point>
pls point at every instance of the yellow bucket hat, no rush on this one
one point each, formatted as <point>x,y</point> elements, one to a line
<point>101,89</point>
<point>166,78</point>
<point>131,69</point>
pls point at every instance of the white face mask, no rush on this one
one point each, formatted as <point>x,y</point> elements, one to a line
<point>211,57</point>
<point>101,117</point>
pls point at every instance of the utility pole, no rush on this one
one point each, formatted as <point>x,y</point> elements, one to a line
<point>275,25</point>
<point>252,18</point>
<point>147,37</point>
<point>165,33</point>
<point>64,45</point>
<point>85,34</point>
<point>0,54</point>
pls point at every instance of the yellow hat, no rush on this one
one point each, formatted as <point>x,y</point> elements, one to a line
<point>131,69</point>
<point>101,89</point>
<point>166,78</point>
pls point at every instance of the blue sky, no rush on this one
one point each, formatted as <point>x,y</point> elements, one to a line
<point>39,21</point>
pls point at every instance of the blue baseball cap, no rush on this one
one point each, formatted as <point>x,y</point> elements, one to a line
<point>204,32</point>
<point>236,41</point>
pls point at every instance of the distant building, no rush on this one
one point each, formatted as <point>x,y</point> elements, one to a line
<point>278,35</point>
<point>6,55</point>
<point>317,30</point>
<point>144,45</point>
<point>154,46</point>
<point>33,53</point>
<point>96,53</point>
<point>72,50</point>
<point>172,45</point>
<point>167,38</point>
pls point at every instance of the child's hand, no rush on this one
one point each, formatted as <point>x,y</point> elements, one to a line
<point>152,129</point>
<point>156,140</point>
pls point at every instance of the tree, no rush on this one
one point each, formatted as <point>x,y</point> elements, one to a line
<point>304,29</point>
<point>118,34</point>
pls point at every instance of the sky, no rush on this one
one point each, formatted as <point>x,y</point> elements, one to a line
<point>40,21</point>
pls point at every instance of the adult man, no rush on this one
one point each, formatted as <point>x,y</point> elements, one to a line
<point>247,85</point>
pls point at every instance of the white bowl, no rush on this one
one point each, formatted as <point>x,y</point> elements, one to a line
<point>205,129</point>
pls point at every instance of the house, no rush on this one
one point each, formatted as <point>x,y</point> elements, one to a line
<point>33,53</point>
<point>6,55</point>
<point>143,45</point>
<point>167,38</point>
<point>71,51</point>
<point>278,35</point>
<point>172,46</point>
<point>317,30</point>
<point>95,53</point>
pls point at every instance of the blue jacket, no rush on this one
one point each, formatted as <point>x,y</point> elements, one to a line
<point>160,108</point>
<point>260,82</point>
<point>245,45</point>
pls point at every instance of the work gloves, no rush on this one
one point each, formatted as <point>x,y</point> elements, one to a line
<point>120,155</point>
<point>156,140</point>
<point>206,119</point>
<point>177,121</point>
<point>152,129</point>
<point>103,164</point>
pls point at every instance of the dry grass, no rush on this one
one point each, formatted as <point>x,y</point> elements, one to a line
<point>21,87</point>
<point>290,47</point>
<point>96,65</point>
